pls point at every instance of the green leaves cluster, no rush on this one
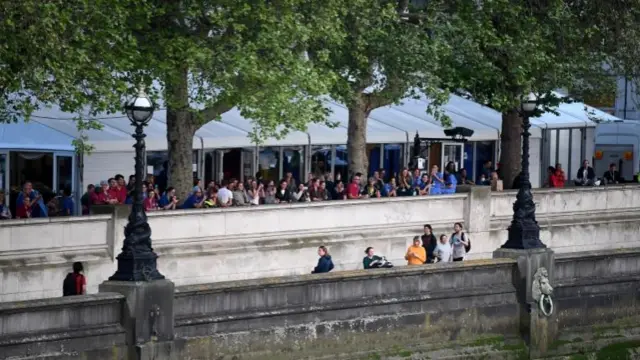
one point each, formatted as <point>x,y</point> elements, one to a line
<point>274,59</point>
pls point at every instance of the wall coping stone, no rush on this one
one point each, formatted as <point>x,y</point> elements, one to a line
<point>350,275</point>
<point>54,220</point>
<point>311,205</point>
<point>597,254</point>
<point>59,302</point>
<point>512,192</point>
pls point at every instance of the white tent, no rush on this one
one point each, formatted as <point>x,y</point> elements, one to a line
<point>391,124</point>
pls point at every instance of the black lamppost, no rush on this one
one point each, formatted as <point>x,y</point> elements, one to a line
<point>524,232</point>
<point>137,261</point>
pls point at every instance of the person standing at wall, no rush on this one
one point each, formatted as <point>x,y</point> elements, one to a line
<point>325,264</point>
<point>559,178</point>
<point>416,254</point>
<point>443,251</point>
<point>459,242</point>
<point>429,243</point>
<point>75,283</point>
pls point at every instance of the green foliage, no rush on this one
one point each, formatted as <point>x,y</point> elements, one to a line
<point>86,54</point>
<point>69,52</point>
<point>384,57</point>
<point>504,49</point>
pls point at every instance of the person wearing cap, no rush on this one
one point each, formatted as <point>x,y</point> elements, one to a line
<point>101,195</point>
<point>195,200</point>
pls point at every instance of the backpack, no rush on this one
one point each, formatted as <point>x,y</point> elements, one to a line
<point>69,285</point>
<point>467,248</point>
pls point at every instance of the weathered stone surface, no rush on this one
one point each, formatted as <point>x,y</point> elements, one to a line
<point>459,310</point>
<point>63,327</point>
<point>148,311</point>
<point>202,246</point>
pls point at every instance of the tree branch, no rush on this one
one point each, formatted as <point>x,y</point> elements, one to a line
<point>387,96</point>
<point>210,113</point>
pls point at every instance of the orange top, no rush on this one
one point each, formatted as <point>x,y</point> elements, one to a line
<point>416,255</point>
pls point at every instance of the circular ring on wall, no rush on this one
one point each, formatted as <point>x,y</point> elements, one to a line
<point>546,305</point>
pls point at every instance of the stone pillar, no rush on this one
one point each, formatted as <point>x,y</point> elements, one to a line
<point>477,210</point>
<point>538,330</point>
<point>147,317</point>
<point>119,214</point>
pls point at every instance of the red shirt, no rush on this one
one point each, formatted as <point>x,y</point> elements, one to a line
<point>150,204</point>
<point>81,282</point>
<point>23,211</point>
<point>118,194</point>
<point>353,191</point>
<point>99,198</point>
<point>557,179</point>
<point>123,194</point>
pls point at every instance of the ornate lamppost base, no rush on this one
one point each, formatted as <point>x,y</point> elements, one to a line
<point>137,267</point>
<point>524,235</point>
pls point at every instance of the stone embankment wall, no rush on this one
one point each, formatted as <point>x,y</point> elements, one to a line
<point>472,308</point>
<point>203,246</point>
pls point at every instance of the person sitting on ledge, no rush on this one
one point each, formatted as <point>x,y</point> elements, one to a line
<point>372,261</point>
<point>612,176</point>
<point>324,262</point>
<point>416,254</point>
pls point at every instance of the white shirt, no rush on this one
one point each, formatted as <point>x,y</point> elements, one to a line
<point>224,196</point>
<point>443,252</point>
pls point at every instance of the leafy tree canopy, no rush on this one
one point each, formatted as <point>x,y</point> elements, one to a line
<point>203,57</point>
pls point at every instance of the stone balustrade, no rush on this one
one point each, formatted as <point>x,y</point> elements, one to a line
<point>203,246</point>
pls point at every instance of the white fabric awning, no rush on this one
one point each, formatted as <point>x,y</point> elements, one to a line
<point>54,129</point>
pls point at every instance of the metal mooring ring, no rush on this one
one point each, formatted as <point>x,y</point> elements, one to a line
<point>546,305</point>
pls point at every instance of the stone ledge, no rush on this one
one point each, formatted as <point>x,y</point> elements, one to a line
<point>54,220</point>
<point>597,255</point>
<point>595,281</point>
<point>350,275</point>
<point>311,205</point>
<point>59,303</point>
<point>585,217</point>
<point>630,186</point>
<point>250,314</point>
<point>61,334</point>
<point>62,255</point>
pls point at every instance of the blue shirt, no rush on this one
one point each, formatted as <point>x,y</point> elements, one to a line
<point>67,206</point>
<point>164,201</point>
<point>191,201</point>
<point>452,181</point>
<point>436,186</point>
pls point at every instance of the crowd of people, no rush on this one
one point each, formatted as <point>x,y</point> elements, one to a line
<point>425,249</point>
<point>258,191</point>
<point>585,176</point>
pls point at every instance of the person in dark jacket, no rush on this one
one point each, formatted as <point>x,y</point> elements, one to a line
<point>585,176</point>
<point>429,242</point>
<point>612,176</point>
<point>324,263</point>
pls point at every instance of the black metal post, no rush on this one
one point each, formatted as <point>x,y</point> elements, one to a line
<point>137,261</point>
<point>524,232</point>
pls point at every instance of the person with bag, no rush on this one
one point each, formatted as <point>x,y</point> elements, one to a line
<point>372,261</point>
<point>75,283</point>
<point>460,243</point>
